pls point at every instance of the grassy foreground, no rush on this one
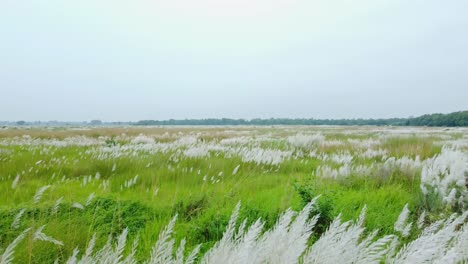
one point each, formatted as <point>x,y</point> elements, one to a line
<point>77,183</point>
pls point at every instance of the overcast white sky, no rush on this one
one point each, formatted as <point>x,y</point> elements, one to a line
<point>160,59</point>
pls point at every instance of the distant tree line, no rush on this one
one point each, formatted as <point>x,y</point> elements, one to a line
<point>456,119</point>
<point>446,120</point>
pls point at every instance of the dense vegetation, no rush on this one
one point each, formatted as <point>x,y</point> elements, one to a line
<point>447,120</point>
<point>456,119</point>
<point>59,187</point>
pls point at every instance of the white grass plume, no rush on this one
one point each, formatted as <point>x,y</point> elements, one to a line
<point>8,255</point>
<point>284,243</point>
<point>407,230</point>
<point>107,254</point>
<point>39,193</point>
<point>117,254</point>
<point>421,219</point>
<point>130,259</point>
<point>236,169</point>
<point>445,171</point>
<point>87,258</point>
<point>39,235</point>
<point>111,254</point>
<point>180,252</point>
<point>342,243</point>
<point>442,239</point>
<point>458,251</point>
<point>287,240</point>
<point>16,221</point>
<point>74,257</point>
<point>305,141</point>
<point>56,205</point>
<point>77,205</point>
<point>445,241</point>
<point>15,182</point>
<point>220,252</point>
<point>400,224</point>
<point>193,255</point>
<point>90,199</point>
<point>162,250</point>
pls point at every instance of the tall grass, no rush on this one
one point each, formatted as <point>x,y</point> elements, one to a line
<point>107,195</point>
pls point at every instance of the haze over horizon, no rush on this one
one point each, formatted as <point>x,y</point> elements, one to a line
<point>129,61</point>
<point>204,118</point>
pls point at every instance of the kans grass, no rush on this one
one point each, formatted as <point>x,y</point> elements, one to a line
<point>233,195</point>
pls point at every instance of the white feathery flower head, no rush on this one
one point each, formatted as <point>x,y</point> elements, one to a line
<point>236,169</point>
<point>77,205</point>
<point>39,193</point>
<point>39,235</point>
<point>15,181</point>
<point>16,221</point>
<point>400,224</point>
<point>56,205</point>
<point>90,199</point>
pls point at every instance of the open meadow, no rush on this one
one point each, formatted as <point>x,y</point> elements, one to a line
<point>232,194</point>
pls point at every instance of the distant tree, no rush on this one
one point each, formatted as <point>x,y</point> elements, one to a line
<point>95,122</point>
<point>452,119</point>
<point>21,123</point>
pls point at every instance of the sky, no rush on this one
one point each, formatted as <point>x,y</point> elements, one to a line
<point>118,60</point>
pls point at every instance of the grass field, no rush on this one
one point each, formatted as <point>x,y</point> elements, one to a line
<point>59,187</point>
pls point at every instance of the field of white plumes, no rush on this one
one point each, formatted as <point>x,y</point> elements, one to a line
<point>234,195</point>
